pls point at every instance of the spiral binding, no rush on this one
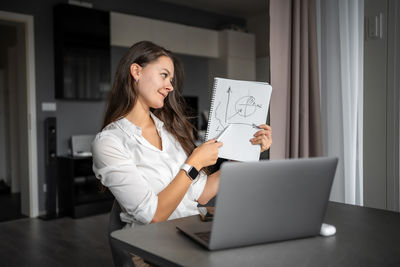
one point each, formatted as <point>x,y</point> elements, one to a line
<point>211,107</point>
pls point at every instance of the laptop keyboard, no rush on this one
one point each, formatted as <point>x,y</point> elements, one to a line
<point>205,236</point>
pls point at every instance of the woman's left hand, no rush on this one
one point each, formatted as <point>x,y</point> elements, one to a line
<point>263,137</point>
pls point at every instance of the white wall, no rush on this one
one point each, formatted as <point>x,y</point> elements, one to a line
<point>237,50</point>
<point>129,29</point>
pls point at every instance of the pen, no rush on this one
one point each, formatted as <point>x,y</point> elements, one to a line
<point>255,126</point>
<point>222,133</point>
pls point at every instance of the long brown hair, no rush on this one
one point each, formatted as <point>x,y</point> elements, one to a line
<point>123,95</point>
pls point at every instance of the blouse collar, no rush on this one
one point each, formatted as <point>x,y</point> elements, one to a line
<point>131,129</point>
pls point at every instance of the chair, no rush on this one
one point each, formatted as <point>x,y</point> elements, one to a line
<point>121,258</point>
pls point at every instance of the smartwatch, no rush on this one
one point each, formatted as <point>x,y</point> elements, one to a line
<point>191,171</point>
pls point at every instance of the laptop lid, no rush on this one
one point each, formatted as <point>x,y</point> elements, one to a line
<point>271,200</point>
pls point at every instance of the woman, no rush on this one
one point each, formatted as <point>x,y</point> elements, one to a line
<point>145,153</point>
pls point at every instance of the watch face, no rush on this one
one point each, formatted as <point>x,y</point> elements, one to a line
<point>193,173</point>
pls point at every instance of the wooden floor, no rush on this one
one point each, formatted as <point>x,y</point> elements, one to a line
<point>59,242</point>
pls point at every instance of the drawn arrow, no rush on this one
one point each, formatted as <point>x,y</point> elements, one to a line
<point>227,104</point>
<point>240,110</point>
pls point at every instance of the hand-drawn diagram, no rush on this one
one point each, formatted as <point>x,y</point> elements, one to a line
<point>236,111</point>
<point>242,105</point>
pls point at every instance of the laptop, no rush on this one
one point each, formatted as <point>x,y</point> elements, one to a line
<point>266,201</point>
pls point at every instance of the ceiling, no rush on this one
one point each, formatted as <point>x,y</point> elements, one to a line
<point>235,8</point>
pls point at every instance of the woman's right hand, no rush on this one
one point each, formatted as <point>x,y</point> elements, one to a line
<point>204,155</point>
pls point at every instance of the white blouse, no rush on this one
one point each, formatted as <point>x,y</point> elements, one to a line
<point>135,171</point>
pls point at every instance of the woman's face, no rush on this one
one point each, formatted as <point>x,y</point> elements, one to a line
<point>155,82</point>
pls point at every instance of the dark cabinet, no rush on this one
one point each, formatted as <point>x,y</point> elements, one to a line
<point>79,190</point>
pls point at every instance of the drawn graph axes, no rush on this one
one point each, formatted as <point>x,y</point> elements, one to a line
<point>244,107</point>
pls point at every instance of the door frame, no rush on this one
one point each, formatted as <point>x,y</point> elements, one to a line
<point>27,21</point>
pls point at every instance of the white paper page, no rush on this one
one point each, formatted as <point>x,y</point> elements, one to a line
<point>237,145</point>
<point>240,104</point>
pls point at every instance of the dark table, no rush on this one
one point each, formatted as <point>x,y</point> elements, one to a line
<point>365,237</point>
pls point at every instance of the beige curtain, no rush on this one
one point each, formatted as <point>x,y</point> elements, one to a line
<point>295,102</point>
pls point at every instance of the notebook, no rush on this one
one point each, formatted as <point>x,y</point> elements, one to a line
<point>242,105</point>
<point>266,201</point>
